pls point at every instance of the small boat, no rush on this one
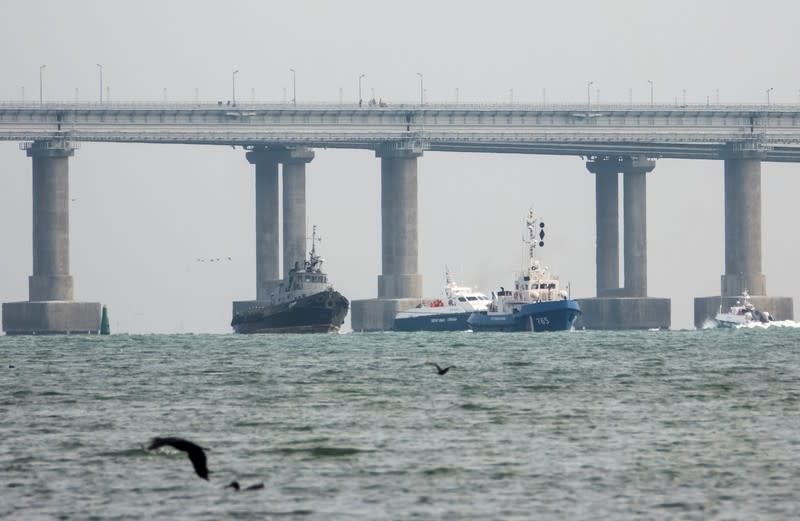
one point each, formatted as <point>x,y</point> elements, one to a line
<point>743,313</point>
<point>304,303</point>
<point>447,314</point>
<point>537,302</point>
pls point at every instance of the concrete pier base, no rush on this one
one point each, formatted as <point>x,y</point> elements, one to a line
<point>378,314</point>
<point>706,308</point>
<point>624,313</point>
<point>51,318</point>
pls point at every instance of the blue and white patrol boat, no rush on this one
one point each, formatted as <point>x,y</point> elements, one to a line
<point>447,314</point>
<point>537,302</point>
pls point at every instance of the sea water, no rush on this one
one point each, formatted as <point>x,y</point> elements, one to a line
<point>700,424</point>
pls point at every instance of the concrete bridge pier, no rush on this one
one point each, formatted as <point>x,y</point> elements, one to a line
<point>294,207</point>
<point>607,225</point>
<point>400,284</point>
<point>626,307</point>
<point>742,245</point>
<point>634,202</point>
<point>50,309</point>
<point>266,161</point>
<point>267,221</point>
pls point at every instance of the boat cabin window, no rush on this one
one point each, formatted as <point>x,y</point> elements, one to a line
<point>462,299</point>
<point>552,285</point>
<point>472,298</point>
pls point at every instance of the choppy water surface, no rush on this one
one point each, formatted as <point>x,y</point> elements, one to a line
<point>581,425</point>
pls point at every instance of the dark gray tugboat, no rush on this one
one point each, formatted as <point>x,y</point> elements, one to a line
<point>305,303</point>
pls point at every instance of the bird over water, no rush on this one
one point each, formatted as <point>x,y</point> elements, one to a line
<point>439,370</point>
<point>194,451</point>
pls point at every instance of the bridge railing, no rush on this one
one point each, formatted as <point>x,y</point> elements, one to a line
<point>324,105</point>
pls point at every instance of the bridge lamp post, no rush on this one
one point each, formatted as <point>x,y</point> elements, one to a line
<point>768,91</point>
<point>294,87</point>
<point>360,99</point>
<point>651,91</point>
<point>421,91</point>
<point>589,94</point>
<point>100,68</point>
<point>233,85</point>
<point>41,84</point>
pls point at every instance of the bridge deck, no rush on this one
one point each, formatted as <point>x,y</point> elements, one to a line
<point>692,132</point>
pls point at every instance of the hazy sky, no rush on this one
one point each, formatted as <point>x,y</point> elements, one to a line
<point>142,215</point>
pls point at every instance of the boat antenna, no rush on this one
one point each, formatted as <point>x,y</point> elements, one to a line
<point>314,260</point>
<point>314,240</point>
<point>532,223</point>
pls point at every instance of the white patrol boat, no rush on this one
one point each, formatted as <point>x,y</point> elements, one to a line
<point>742,313</point>
<point>447,314</point>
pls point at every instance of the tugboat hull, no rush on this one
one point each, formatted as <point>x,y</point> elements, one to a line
<point>322,312</point>
<point>557,315</point>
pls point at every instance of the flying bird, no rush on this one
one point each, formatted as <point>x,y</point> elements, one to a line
<point>195,452</point>
<point>235,486</point>
<point>439,369</point>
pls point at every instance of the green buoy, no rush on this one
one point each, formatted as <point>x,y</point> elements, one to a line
<point>105,329</point>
